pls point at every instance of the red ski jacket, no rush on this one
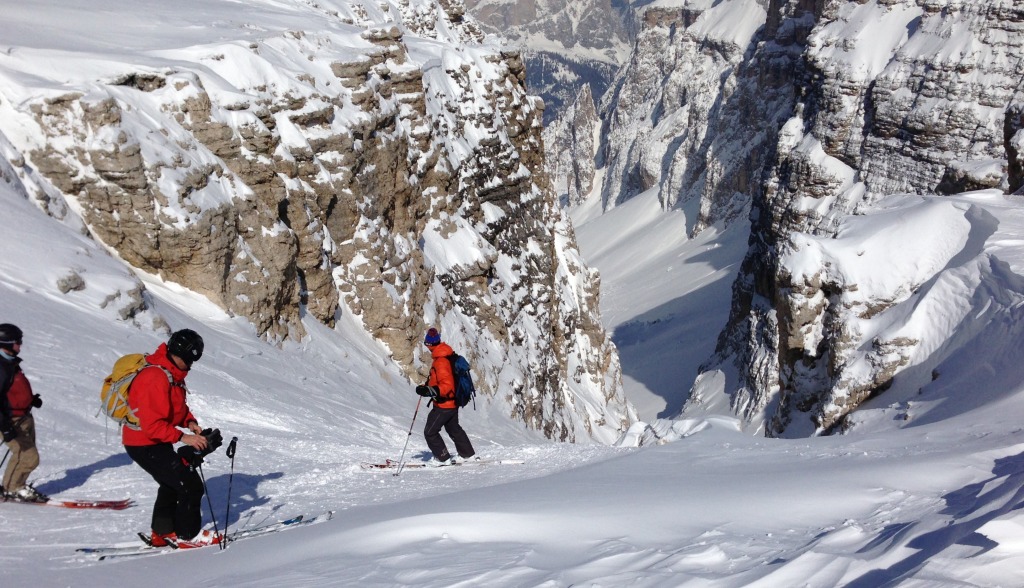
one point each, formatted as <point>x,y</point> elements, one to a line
<point>159,405</point>
<point>441,375</point>
<point>19,396</point>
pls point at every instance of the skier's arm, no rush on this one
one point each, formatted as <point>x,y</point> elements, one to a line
<point>151,399</point>
<point>7,430</point>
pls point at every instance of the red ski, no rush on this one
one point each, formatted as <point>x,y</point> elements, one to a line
<point>94,504</point>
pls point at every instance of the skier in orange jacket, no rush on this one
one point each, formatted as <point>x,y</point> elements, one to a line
<point>440,388</point>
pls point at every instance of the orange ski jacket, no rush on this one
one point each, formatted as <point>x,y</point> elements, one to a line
<point>441,375</point>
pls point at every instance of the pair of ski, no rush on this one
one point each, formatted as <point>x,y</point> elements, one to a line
<point>135,550</point>
<point>389,464</point>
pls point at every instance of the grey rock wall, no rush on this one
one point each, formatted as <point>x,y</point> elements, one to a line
<point>828,106</point>
<point>936,114</point>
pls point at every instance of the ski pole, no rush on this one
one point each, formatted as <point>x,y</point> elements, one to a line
<point>227,514</point>
<point>401,460</point>
<point>208,501</point>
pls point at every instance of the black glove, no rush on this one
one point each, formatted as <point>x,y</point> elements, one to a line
<point>37,401</point>
<point>213,440</point>
<point>431,392</point>
<point>194,457</point>
<point>7,428</point>
<point>190,456</point>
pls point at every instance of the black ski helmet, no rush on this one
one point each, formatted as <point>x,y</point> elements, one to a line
<point>186,344</point>
<point>9,335</point>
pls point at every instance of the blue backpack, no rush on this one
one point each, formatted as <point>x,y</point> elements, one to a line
<point>464,389</point>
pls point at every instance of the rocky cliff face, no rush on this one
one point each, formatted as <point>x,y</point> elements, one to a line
<point>821,109</point>
<point>386,165</point>
<point>925,114</point>
<point>570,143</point>
<point>572,51</point>
<point>688,115</point>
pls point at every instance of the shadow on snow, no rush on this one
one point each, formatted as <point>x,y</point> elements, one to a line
<point>245,498</point>
<point>76,477</point>
<point>969,508</point>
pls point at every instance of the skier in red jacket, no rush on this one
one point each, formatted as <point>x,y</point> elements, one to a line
<point>17,425</point>
<point>445,413</point>
<point>158,398</point>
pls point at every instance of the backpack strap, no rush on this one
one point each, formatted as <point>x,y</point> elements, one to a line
<point>167,372</point>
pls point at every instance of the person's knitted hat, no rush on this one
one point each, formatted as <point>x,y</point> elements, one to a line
<point>433,337</point>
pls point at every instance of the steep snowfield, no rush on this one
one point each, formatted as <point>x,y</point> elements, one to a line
<point>925,491</point>
<point>905,497</point>
<point>665,296</point>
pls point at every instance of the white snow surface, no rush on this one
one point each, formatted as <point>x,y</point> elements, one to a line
<point>926,492</point>
<point>905,500</point>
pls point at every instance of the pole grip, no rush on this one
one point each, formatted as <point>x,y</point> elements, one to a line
<point>231,448</point>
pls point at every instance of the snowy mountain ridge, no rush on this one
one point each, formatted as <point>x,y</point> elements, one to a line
<point>796,116</point>
<point>319,159</point>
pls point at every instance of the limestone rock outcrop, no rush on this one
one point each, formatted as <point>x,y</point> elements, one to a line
<point>388,165</point>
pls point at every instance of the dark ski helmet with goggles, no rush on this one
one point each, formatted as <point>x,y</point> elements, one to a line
<point>10,336</point>
<point>186,344</point>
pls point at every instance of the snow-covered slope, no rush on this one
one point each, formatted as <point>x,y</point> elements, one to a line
<point>924,491</point>
<point>664,334</point>
<point>934,502</point>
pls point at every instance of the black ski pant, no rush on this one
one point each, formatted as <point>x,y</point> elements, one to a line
<point>178,506</point>
<point>447,419</point>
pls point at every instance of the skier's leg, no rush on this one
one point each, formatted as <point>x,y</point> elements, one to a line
<point>24,455</point>
<point>188,517</point>
<point>436,420</point>
<point>180,488</point>
<point>158,461</point>
<point>459,437</point>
